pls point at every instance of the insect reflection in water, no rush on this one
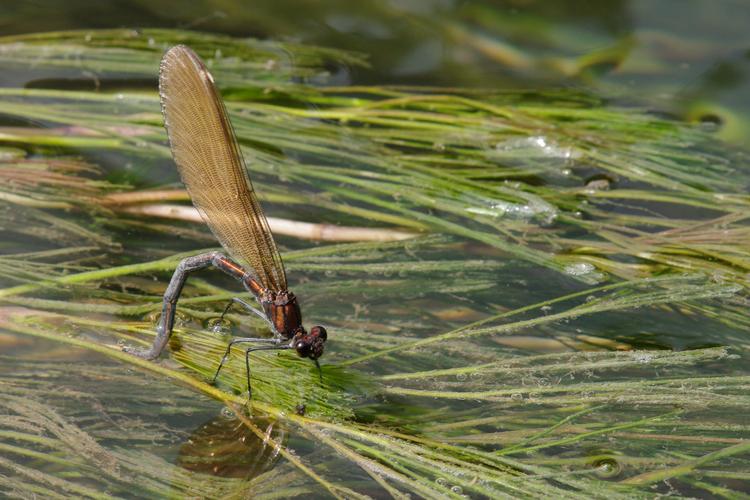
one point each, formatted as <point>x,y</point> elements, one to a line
<point>225,447</point>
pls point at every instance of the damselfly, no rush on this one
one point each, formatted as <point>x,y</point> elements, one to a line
<point>210,163</point>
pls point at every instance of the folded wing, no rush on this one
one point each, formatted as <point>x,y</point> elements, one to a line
<point>210,162</point>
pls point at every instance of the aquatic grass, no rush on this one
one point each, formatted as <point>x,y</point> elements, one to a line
<point>55,425</point>
<point>364,434</point>
<point>509,189</point>
<point>93,53</point>
<point>197,343</point>
<point>487,208</point>
<point>624,295</point>
<point>200,338</point>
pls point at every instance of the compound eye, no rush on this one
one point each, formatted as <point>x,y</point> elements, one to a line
<point>320,332</point>
<point>303,349</point>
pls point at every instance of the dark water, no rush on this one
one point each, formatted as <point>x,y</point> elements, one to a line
<point>682,51</point>
<point>687,60</point>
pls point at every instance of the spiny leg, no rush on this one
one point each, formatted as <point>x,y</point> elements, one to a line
<point>240,340</point>
<point>247,363</point>
<point>172,294</point>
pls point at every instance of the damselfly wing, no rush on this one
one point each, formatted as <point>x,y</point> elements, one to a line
<point>212,168</point>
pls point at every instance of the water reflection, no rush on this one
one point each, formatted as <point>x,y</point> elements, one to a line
<point>225,447</point>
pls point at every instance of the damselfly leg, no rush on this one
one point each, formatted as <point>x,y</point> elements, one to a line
<point>247,362</point>
<point>246,340</point>
<point>172,294</point>
<point>274,347</point>
<point>249,308</point>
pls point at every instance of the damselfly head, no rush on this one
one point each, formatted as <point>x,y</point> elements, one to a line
<point>310,345</point>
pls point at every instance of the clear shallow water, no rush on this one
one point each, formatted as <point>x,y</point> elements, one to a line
<point>425,43</point>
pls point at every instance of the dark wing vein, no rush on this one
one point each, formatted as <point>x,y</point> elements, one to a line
<point>210,162</point>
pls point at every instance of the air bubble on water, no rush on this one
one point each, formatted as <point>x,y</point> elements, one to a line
<point>181,319</point>
<point>718,277</point>
<point>227,413</point>
<point>457,489</point>
<point>579,268</point>
<point>461,377</point>
<point>607,468</point>
<point>585,271</point>
<point>643,357</point>
<point>534,209</point>
<point>218,325</point>
<point>535,145</point>
<point>441,481</point>
<point>516,396</point>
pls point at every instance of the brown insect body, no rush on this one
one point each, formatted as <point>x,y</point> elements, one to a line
<point>283,311</point>
<point>281,307</point>
<point>213,170</point>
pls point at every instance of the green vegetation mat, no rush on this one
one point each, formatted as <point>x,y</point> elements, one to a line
<point>569,318</point>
